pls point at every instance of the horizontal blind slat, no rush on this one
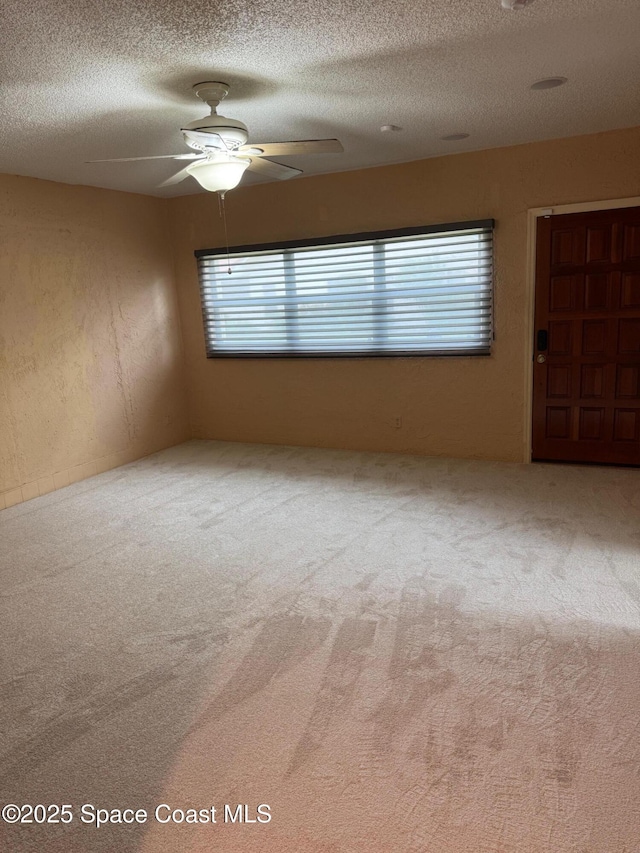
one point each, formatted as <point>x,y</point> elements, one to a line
<point>348,322</point>
<point>355,334</point>
<point>398,317</point>
<point>338,253</point>
<point>238,267</point>
<point>423,266</point>
<point>328,352</point>
<point>258,289</point>
<point>354,300</point>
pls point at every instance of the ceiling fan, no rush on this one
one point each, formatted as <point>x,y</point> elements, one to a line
<point>222,153</point>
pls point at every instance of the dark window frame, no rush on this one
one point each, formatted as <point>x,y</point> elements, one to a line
<point>337,239</point>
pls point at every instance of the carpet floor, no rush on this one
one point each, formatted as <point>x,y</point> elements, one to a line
<point>379,653</point>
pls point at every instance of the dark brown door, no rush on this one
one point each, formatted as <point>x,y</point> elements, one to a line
<point>586,368</point>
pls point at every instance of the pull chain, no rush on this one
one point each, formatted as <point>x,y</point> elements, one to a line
<point>223,214</point>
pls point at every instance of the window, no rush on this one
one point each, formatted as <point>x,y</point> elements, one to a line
<point>420,291</point>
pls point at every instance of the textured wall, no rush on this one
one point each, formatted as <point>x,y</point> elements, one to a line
<point>458,407</point>
<point>91,362</point>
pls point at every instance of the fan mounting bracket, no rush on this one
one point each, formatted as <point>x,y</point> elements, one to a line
<point>211,92</point>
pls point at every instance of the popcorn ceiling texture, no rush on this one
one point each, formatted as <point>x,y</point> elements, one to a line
<point>397,654</point>
<point>89,80</point>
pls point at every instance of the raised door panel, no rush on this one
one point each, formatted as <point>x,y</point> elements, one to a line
<point>592,422</point>
<point>560,337</point>
<point>598,244</point>
<point>629,335</point>
<point>594,337</point>
<point>628,381</point>
<point>626,425</point>
<point>559,381</point>
<point>597,290</point>
<point>630,291</point>
<point>562,293</point>
<point>558,422</point>
<point>631,242</point>
<point>567,247</point>
<point>592,381</point>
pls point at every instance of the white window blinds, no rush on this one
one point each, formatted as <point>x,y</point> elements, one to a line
<point>417,292</point>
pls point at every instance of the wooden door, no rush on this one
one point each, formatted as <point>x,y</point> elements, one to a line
<point>586,374</point>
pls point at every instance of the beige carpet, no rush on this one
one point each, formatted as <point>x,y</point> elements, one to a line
<point>393,653</point>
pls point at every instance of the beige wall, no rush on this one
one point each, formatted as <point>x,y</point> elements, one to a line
<point>459,407</point>
<point>91,361</point>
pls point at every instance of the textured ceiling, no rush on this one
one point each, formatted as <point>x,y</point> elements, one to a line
<point>88,79</point>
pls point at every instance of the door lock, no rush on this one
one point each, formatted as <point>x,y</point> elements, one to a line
<point>541,359</point>
<point>542,340</point>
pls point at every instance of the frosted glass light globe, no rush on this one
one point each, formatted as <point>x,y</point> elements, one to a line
<point>219,174</point>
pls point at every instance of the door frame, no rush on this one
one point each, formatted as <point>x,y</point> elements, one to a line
<point>533,214</point>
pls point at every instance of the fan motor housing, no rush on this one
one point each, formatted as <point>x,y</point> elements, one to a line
<point>231,132</point>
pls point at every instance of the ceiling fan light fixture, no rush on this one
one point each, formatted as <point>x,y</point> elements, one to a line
<point>219,174</point>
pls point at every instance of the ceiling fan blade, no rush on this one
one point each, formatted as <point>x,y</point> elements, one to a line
<point>269,169</point>
<point>287,149</point>
<point>193,156</point>
<point>175,179</point>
